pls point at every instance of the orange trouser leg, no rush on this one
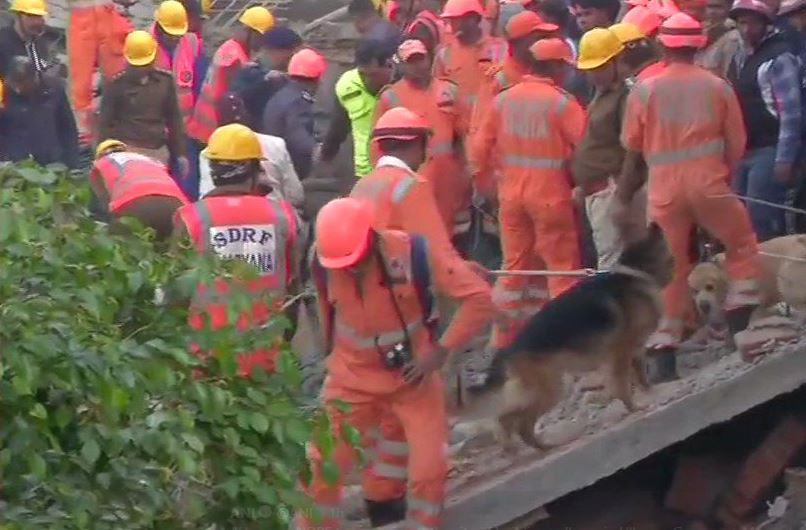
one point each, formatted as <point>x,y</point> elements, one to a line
<point>112,34</point>
<point>385,477</point>
<point>364,416</point>
<point>82,54</point>
<point>558,242</point>
<point>421,411</point>
<point>516,297</point>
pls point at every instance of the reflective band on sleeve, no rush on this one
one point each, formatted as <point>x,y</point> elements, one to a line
<point>349,334</point>
<point>529,162</point>
<point>329,512</point>
<point>441,148</point>
<point>382,469</point>
<point>402,189</point>
<point>389,447</point>
<point>426,507</point>
<point>712,148</point>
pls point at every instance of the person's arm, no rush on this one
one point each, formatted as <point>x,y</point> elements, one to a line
<point>177,145</point>
<point>108,112</point>
<point>573,121</point>
<point>481,150</point>
<point>298,136</point>
<point>785,83</point>
<point>292,188</point>
<point>336,133</point>
<point>633,169</point>
<point>68,131</point>
<point>632,138</point>
<point>734,130</point>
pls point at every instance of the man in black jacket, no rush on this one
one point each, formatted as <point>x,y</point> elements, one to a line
<point>36,120</point>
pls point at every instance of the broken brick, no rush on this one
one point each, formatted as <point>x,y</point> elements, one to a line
<point>697,485</point>
<point>762,468</point>
<point>764,334</point>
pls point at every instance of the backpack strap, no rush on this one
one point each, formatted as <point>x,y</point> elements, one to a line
<point>327,312</point>
<point>421,278</point>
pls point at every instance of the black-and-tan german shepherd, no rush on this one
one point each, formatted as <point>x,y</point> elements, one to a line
<point>602,322</point>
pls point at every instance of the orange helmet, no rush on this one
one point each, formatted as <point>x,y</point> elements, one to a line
<point>460,8</point>
<point>643,18</point>
<point>682,31</point>
<point>343,229</point>
<point>400,123</point>
<point>307,63</point>
<point>527,22</point>
<point>552,50</point>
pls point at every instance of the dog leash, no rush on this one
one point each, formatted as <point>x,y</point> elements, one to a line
<point>571,273</point>
<point>781,256</point>
<point>759,201</point>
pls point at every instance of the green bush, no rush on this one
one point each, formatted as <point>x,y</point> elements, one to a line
<point>106,419</point>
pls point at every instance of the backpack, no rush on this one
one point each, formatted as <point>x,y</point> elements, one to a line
<point>421,278</point>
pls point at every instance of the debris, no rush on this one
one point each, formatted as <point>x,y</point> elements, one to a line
<point>763,335</point>
<point>698,483</point>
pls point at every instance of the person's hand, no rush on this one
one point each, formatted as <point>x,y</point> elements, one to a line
<point>184,166</point>
<point>478,269</point>
<point>418,369</point>
<point>620,212</point>
<point>784,173</point>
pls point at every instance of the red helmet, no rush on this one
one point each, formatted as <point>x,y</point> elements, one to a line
<point>460,8</point>
<point>527,22</point>
<point>643,18</point>
<point>343,229</point>
<point>307,63</point>
<point>682,31</point>
<point>400,123</point>
<point>752,6</point>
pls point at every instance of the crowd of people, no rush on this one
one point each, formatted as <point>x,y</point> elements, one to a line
<point>573,123</point>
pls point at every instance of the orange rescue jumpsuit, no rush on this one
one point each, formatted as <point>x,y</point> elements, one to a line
<point>445,166</point>
<point>688,125</point>
<point>366,323</point>
<point>532,129</point>
<point>498,78</point>
<point>95,36</point>
<point>465,65</point>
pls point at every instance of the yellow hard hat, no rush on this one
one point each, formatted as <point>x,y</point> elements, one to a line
<point>597,46</point>
<point>172,18</point>
<point>626,32</point>
<point>234,142</point>
<point>106,145</point>
<point>207,6</point>
<point>140,48</point>
<point>258,18</point>
<point>30,7</point>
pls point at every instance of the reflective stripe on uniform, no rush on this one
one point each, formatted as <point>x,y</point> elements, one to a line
<point>712,148</point>
<point>503,296</point>
<point>382,469</point>
<point>393,448</point>
<point>531,162</point>
<point>402,189</point>
<point>441,148</point>
<point>345,332</point>
<point>426,507</point>
<point>329,512</point>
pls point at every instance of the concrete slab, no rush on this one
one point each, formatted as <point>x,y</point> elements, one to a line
<point>501,495</point>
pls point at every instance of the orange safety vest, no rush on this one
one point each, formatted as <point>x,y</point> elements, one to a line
<point>182,63</point>
<point>366,322</point>
<point>204,119</point>
<point>259,230</point>
<point>128,176</point>
<point>651,71</point>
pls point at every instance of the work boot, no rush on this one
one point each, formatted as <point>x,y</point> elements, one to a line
<point>738,320</point>
<point>385,512</point>
<point>661,365</point>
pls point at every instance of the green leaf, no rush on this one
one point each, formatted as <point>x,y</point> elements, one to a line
<point>297,430</point>
<point>90,451</point>
<point>331,472</point>
<point>256,396</point>
<point>6,224</point>
<point>186,462</point>
<point>37,466</point>
<point>38,411</point>
<point>259,422</point>
<point>193,442</point>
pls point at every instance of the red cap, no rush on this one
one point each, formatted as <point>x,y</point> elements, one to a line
<point>552,50</point>
<point>682,31</point>
<point>400,123</point>
<point>527,22</point>
<point>460,8</point>
<point>307,63</point>
<point>411,47</point>
<point>643,18</point>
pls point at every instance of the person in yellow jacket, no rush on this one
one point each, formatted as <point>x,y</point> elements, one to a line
<point>357,96</point>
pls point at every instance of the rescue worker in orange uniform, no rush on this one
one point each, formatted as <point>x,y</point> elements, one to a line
<point>435,99</point>
<point>95,35</point>
<point>227,60</point>
<point>688,125</point>
<point>533,129</point>
<point>237,221</point>
<point>522,30</point>
<point>639,59</point>
<point>468,54</point>
<point>130,184</point>
<point>426,25</point>
<point>384,359</point>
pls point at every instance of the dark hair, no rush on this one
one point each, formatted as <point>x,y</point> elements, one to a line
<point>223,173</point>
<point>281,38</point>
<point>373,51</point>
<point>361,7</point>
<point>611,6</point>
<point>392,145</point>
<point>556,11</point>
<point>638,54</point>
